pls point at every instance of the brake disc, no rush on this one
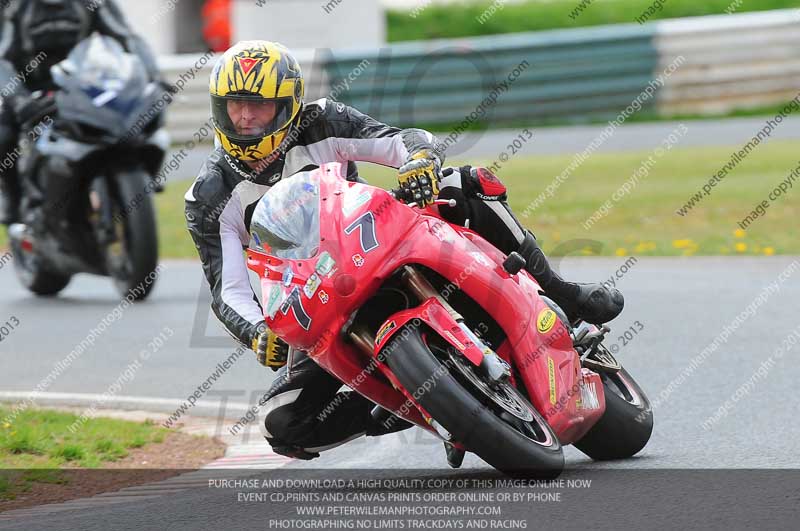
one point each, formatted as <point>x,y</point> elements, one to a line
<point>504,394</point>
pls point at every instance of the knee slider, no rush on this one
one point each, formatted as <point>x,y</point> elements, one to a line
<point>482,184</point>
<point>282,426</point>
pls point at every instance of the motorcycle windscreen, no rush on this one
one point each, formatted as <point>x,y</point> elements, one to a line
<point>101,84</point>
<point>285,222</point>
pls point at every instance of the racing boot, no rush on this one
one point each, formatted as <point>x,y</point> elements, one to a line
<point>594,303</point>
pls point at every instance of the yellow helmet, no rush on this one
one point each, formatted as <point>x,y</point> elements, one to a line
<point>255,73</point>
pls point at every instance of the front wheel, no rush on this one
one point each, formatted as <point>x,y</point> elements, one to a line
<point>496,423</point>
<point>132,256</point>
<point>626,424</point>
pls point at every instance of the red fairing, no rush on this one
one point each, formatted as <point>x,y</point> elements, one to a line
<point>365,236</point>
<point>489,183</point>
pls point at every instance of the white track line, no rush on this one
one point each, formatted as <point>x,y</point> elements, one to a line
<point>137,402</point>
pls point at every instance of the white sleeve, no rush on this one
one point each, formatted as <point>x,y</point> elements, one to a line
<point>236,291</point>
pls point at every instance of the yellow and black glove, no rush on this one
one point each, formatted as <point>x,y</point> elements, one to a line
<point>419,178</point>
<point>271,351</point>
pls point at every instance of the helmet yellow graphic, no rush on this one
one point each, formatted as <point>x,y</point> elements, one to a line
<point>256,95</point>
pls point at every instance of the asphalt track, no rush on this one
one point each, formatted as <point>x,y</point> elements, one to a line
<point>682,304</point>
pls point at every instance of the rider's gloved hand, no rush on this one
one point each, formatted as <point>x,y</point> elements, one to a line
<point>419,177</point>
<point>271,351</point>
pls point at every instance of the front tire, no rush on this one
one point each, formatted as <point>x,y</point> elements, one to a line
<point>134,254</point>
<point>455,404</point>
<point>626,424</point>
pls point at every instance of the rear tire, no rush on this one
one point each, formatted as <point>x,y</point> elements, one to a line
<point>466,418</point>
<point>626,425</point>
<point>138,237</point>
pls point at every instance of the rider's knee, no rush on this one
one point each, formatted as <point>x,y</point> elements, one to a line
<point>471,188</point>
<point>481,183</point>
<point>284,424</point>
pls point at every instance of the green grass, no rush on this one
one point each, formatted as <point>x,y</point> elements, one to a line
<point>38,442</point>
<point>461,20</point>
<point>642,223</point>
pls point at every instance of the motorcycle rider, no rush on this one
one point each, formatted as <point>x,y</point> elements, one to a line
<point>266,132</point>
<point>35,35</point>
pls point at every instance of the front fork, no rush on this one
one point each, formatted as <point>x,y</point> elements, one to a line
<point>449,324</point>
<point>492,366</point>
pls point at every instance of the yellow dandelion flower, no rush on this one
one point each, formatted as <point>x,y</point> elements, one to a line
<point>739,233</point>
<point>621,251</point>
<point>769,251</point>
<point>6,425</point>
<point>682,244</point>
<point>740,247</point>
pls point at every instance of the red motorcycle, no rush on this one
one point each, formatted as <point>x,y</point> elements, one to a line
<point>436,326</point>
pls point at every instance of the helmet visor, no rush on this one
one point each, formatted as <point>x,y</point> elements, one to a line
<point>248,118</point>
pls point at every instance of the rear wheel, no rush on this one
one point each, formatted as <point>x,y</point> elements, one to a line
<point>133,253</point>
<point>494,421</point>
<point>626,424</point>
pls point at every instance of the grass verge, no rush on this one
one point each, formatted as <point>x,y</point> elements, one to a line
<point>37,443</point>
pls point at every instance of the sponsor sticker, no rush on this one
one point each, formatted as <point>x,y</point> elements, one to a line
<point>358,260</point>
<point>551,377</point>
<point>274,300</point>
<point>385,329</point>
<point>546,320</point>
<point>326,265</point>
<point>353,202</point>
<point>323,296</point>
<point>589,398</point>
<point>288,275</point>
<point>312,284</point>
<point>455,340</point>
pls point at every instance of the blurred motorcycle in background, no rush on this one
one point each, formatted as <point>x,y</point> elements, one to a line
<point>88,163</point>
